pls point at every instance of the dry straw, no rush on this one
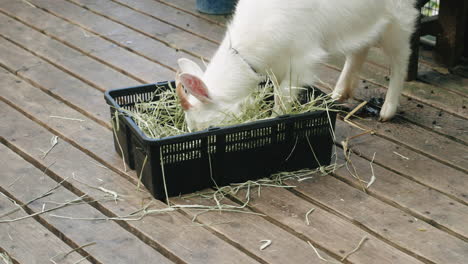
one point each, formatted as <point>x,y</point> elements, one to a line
<point>6,258</point>
<point>165,117</point>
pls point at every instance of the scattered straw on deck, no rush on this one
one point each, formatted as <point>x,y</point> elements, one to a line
<point>6,258</point>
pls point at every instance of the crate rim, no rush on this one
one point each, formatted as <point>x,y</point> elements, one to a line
<point>202,133</point>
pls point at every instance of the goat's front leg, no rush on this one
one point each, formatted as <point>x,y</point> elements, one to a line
<point>349,76</point>
<point>285,95</point>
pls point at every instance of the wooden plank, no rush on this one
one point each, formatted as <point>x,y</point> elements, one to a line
<point>81,137</point>
<point>455,130</point>
<point>172,234</point>
<point>430,118</point>
<point>429,142</point>
<point>438,98</point>
<point>53,81</point>
<point>8,257</point>
<point>58,53</point>
<point>114,32</point>
<point>109,147</point>
<point>189,7</point>
<point>248,230</point>
<point>384,221</point>
<point>26,95</point>
<point>423,115</point>
<point>89,135</point>
<point>166,14</point>
<point>332,232</point>
<point>25,98</point>
<point>170,35</point>
<point>72,60</point>
<point>90,138</point>
<point>406,162</point>
<point>447,124</point>
<point>429,71</point>
<point>429,205</point>
<point>113,243</point>
<point>42,108</point>
<point>419,139</point>
<point>447,80</point>
<point>21,238</point>
<point>87,43</point>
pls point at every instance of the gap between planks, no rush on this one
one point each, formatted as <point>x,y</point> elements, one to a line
<point>57,132</point>
<point>96,205</point>
<point>421,217</point>
<point>102,208</point>
<point>90,153</point>
<point>136,29</point>
<point>226,239</point>
<point>359,225</point>
<point>408,146</point>
<point>70,141</point>
<point>136,78</point>
<point>165,22</point>
<point>375,84</point>
<point>75,74</point>
<point>57,97</point>
<point>419,124</point>
<point>43,124</point>
<point>105,38</point>
<point>9,255</point>
<point>45,224</point>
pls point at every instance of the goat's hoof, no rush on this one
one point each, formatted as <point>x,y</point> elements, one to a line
<point>387,112</point>
<point>339,97</point>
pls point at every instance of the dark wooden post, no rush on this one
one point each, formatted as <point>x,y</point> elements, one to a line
<point>414,57</point>
<point>466,37</point>
<point>451,37</point>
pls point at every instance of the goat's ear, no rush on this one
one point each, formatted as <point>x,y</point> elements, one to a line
<point>195,86</point>
<point>188,66</point>
<point>183,99</point>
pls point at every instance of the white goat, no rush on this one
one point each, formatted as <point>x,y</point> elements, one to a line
<point>290,38</point>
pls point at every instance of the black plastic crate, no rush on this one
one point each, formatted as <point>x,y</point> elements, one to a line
<point>231,154</point>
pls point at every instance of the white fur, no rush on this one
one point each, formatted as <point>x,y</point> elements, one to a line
<point>291,38</point>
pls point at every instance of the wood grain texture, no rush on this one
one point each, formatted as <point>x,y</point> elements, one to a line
<point>70,59</point>
<point>248,230</point>
<point>113,243</point>
<point>407,162</point>
<point>391,224</point>
<point>154,28</point>
<point>333,232</point>
<point>57,58</point>
<point>20,239</point>
<point>116,33</point>
<point>169,233</point>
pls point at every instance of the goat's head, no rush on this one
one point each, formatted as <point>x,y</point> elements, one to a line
<point>202,109</point>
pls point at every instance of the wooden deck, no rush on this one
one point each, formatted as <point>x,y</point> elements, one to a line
<point>58,57</point>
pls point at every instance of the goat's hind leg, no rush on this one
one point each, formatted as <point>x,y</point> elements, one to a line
<point>396,45</point>
<point>348,79</point>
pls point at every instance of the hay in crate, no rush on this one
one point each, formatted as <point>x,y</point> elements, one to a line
<point>165,117</point>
